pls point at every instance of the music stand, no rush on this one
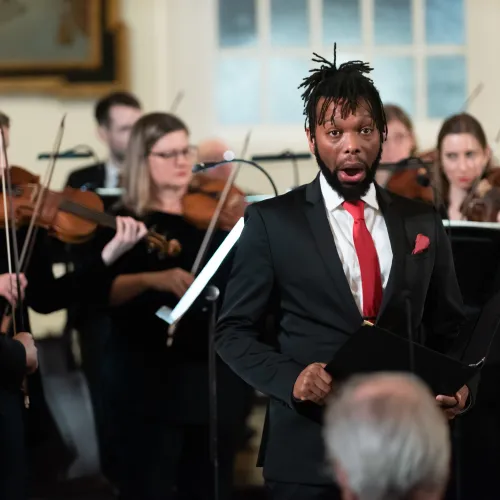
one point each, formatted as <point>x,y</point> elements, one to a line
<point>173,316</point>
<point>476,254</point>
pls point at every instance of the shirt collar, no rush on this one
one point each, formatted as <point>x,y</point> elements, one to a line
<point>333,200</point>
<point>111,167</point>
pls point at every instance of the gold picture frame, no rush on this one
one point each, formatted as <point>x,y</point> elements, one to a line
<point>68,48</point>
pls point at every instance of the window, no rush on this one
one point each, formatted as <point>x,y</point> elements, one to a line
<point>417,49</point>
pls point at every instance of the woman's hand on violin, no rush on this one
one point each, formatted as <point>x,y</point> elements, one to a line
<point>128,232</point>
<point>8,287</point>
<point>175,281</point>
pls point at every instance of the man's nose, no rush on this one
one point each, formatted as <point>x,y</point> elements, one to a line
<point>351,143</point>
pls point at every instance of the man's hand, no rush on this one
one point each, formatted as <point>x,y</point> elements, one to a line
<point>31,351</point>
<point>452,406</point>
<point>313,384</point>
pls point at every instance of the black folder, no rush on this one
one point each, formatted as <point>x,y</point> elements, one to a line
<point>374,349</point>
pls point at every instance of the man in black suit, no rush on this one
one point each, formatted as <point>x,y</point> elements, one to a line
<point>115,115</point>
<point>323,258</point>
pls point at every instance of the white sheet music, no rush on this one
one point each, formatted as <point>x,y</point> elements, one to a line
<point>170,316</point>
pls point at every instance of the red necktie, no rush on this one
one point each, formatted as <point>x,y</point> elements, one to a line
<point>368,260</point>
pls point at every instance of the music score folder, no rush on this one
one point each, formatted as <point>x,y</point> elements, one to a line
<point>374,349</point>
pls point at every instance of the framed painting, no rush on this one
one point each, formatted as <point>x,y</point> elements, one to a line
<point>62,47</point>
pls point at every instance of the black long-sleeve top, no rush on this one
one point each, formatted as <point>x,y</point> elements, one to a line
<point>148,377</point>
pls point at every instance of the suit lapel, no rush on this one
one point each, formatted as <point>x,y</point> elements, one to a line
<point>397,235</point>
<point>320,227</point>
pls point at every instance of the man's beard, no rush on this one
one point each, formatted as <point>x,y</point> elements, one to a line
<point>350,192</point>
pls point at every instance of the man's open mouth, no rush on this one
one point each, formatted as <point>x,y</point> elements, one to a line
<point>352,173</point>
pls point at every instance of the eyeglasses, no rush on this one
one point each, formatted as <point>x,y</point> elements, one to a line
<point>188,153</point>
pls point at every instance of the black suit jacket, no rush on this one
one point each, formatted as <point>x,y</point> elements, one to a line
<point>91,177</point>
<point>286,261</point>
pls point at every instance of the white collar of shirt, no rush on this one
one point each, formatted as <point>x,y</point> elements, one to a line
<point>112,174</point>
<point>333,200</point>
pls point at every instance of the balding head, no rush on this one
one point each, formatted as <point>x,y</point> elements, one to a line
<point>212,150</point>
<point>387,439</point>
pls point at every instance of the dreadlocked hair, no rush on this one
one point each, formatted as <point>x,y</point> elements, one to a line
<point>346,86</point>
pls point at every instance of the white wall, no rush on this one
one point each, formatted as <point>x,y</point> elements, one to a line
<point>172,48</point>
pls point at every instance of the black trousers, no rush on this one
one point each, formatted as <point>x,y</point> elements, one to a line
<point>13,475</point>
<point>160,461</point>
<point>295,491</point>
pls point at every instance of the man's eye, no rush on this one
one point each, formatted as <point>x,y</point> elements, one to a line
<point>335,133</point>
<point>366,130</point>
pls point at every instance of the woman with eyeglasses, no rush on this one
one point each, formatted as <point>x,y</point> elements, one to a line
<point>158,394</point>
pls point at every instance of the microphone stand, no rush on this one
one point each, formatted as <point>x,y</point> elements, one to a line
<point>201,167</point>
<point>211,295</point>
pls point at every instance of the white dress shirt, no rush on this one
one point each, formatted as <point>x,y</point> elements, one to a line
<point>342,223</point>
<point>112,175</point>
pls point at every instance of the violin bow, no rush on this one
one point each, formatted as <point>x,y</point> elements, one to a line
<point>473,95</point>
<point>12,257</point>
<point>30,235</point>
<point>177,100</point>
<point>213,221</point>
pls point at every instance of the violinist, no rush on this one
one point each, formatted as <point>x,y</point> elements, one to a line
<point>463,156</point>
<point>18,356</point>
<point>44,293</point>
<point>159,394</point>
<point>400,142</point>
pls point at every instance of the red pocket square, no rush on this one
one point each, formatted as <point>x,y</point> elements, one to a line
<point>421,244</point>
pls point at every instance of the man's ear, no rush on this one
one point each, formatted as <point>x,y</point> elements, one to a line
<point>310,140</point>
<point>102,133</point>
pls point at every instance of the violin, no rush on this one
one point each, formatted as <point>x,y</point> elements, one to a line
<point>202,200</point>
<point>483,204</point>
<point>414,183</point>
<point>71,216</point>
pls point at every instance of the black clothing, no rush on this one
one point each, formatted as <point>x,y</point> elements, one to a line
<point>12,465</point>
<point>34,429</point>
<point>286,261</point>
<point>296,491</point>
<point>89,178</point>
<point>159,395</point>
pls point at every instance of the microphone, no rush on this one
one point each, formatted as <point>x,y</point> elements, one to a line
<point>201,167</point>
